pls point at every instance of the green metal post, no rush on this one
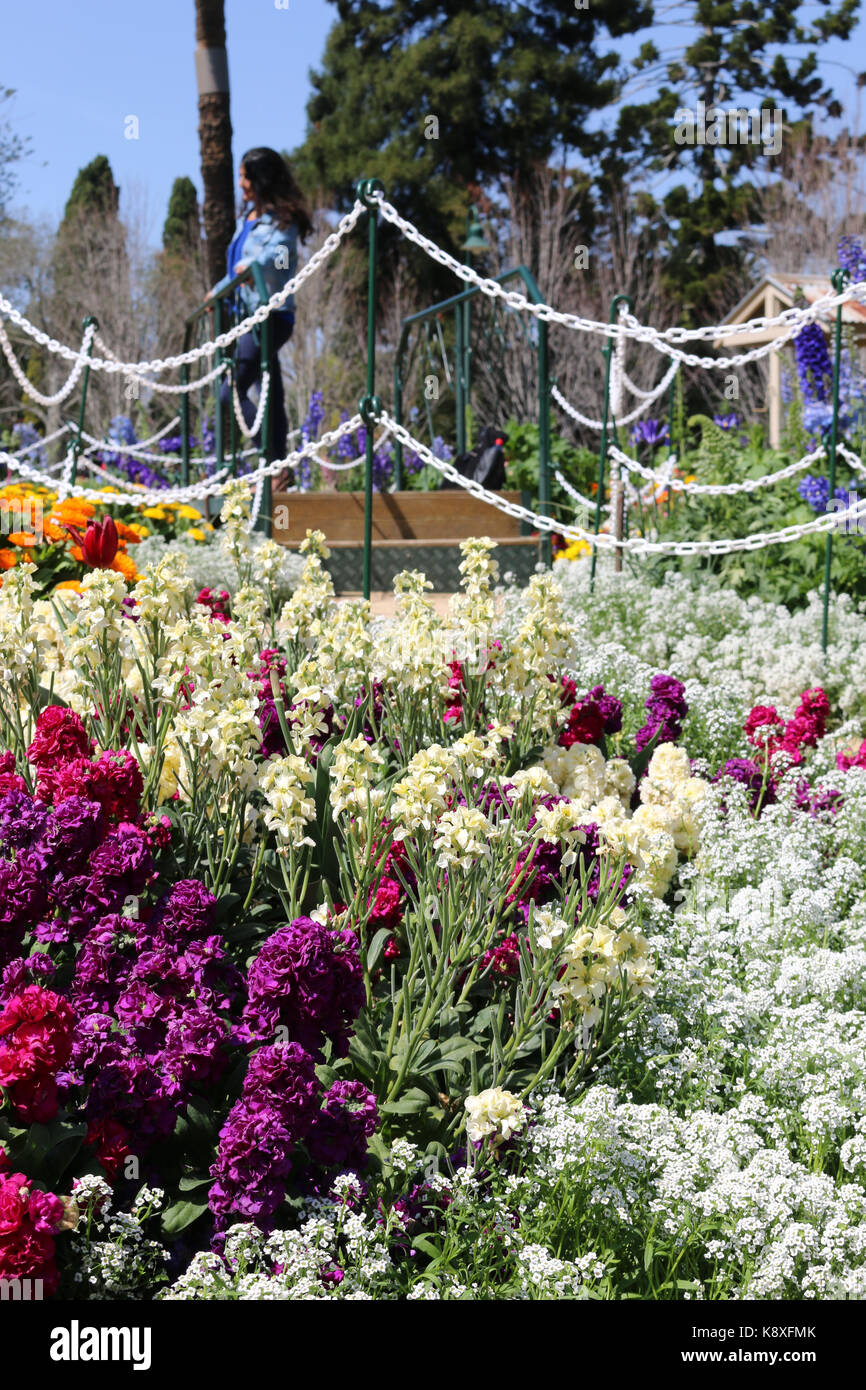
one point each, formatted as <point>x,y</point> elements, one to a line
<point>544,438</point>
<point>233,425</point>
<point>184,426</point>
<point>263,521</point>
<point>671,407</point>
<point>467,358</point>
<point>370,406</point>
<point>838,280</point>
<point>218,409</point>
<point>76,447</point>
<point>607,353</point>
<point>398,416</point>
<point>460,381</point>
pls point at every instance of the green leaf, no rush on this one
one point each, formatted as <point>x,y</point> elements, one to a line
<point>190,1182</point>
<point>410,1103</point>
<point>180,1215</point>
<point>377,946</point>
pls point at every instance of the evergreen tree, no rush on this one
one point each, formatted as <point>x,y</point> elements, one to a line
<point>181,230</point>
<point>745,55</point>
<point>437,96</point>
<point>94,191</point>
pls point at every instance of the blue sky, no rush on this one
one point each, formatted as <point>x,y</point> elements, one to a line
<point>80,69</point>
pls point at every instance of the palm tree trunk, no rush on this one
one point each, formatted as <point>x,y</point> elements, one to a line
<point>214,132</point>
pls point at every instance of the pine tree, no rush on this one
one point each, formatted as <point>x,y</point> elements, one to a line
<point>745,55</point>
<point>181,230</point>
<point>438,96</point>
<point>93,192</point>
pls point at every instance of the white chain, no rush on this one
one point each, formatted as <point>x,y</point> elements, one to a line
<point>256,505</point>
<point>636,544</point>
<point>194,491</point>
<point>719,489</point>
<point>135,451</point>
<point>789,320</point>
<point>80,358</point>
<point>41,443</point>
<point>576,496</point>
<point>342,467</point>
<point>161,364</point>
<point>167,390</point>
<point>633,415</point>
<point>796,317</point>
<point>250,431</point>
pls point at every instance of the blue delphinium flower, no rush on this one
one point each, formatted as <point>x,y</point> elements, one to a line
<point>26,435</point>
<point>852,257</point>
<point>315,416</point>
<point>383,467</point>
<point>346,446</point>
<point>441,449</point>
<point>814,367</point>
<point>727,422</point>
<point>816,491</point>
<point>121,430</point>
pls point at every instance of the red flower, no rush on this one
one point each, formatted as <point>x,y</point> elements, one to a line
<point>761,717</point>
<point>98,544</point>
<point>9,779</point>
<point>387,905</point>
<point>110,1139</point>
<point>585,724</point>
<point>28,1221</point>
<point>59,737</point>
<point>35,1041</point>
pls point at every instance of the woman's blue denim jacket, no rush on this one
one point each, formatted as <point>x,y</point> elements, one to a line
<point>276,250</point>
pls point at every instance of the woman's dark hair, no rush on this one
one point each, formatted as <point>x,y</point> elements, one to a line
<point>275,186</point>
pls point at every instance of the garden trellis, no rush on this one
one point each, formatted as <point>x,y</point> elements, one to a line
<point>672,343</point>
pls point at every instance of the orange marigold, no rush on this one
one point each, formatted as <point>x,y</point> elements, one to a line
<point>125,565</point>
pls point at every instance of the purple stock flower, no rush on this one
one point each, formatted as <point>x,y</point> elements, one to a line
<point>277,1109</point>
<point>667,708</point>
<point>348,1117</point>
<point>308,979</point>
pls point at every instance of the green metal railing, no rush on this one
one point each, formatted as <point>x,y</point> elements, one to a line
<point>370,406</point>
<point>220,305</point>
<point>459,305</point>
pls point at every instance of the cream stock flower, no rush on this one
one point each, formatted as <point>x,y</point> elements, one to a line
<point>165,589</point>
<point>493,1114</point>
<point>560,825</point>
<point>356,762</point>
<point>463,837</point>
<point>533,781</point>
<point>285,784</point>
<point>419,798</point>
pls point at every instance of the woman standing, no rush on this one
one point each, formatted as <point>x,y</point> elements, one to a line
<point>274,214</point>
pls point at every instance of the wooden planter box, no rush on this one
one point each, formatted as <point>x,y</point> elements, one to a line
<point>411,530</point>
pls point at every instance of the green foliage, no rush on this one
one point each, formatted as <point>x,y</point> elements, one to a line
<point>578,465</point>
<point>93,192</point>
<point>182,228</point>
<point>437,98</point>
<point>782,573</point>
<point>738,55</point>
